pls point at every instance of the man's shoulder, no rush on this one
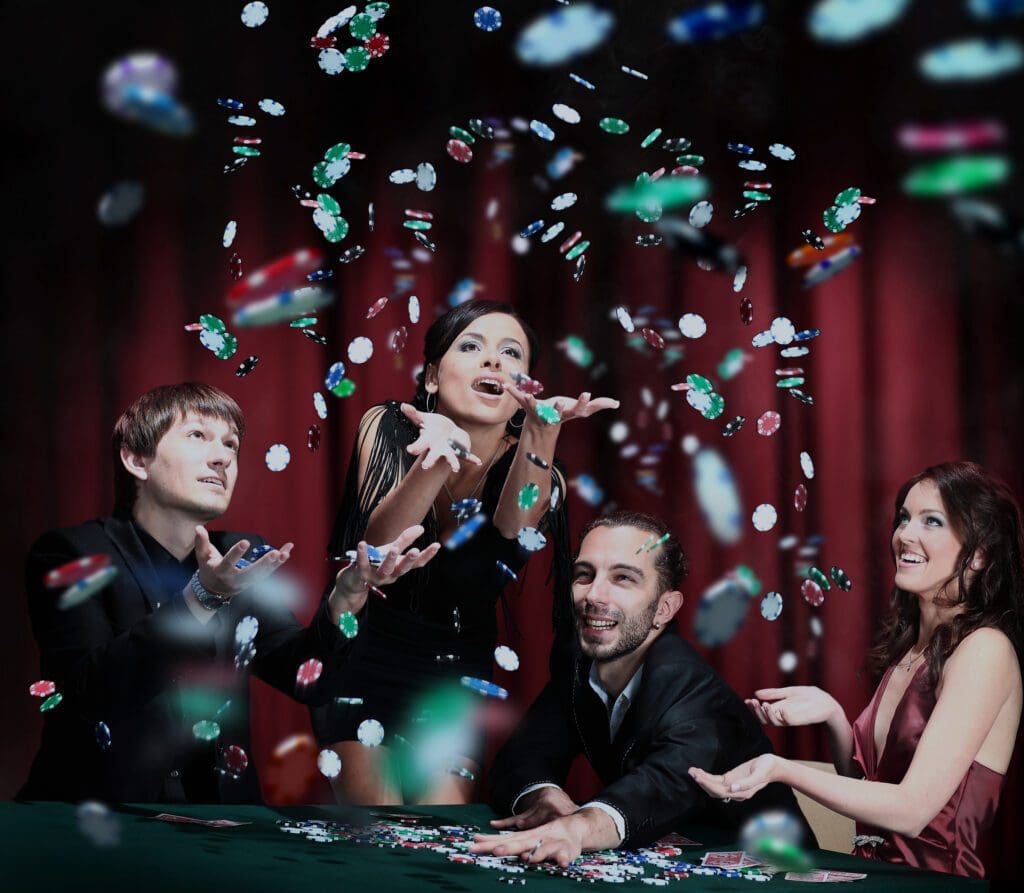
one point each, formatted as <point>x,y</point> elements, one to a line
<point>675,669</point>
<point>73,537</point>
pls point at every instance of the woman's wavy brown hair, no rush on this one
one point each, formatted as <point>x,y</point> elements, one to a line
<point>986,518</point>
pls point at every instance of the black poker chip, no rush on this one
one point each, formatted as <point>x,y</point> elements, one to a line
<point>733,426</point>
<point>246,366</point>
<point>801,396</point>
<point>316,336</point>
<point>813,239</point>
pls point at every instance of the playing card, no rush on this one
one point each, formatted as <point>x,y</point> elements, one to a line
<point>824,877</point>
<point>188,820</point>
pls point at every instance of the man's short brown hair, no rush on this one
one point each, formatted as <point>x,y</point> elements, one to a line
<point>150,417</point>
<point>670,561</point>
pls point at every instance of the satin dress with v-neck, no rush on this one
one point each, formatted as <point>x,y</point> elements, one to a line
<point>950,841</point>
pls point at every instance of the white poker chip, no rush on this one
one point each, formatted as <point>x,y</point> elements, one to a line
<point>86,588</point>
<point>242,121</point>
<point>846,214</point>
<point>506,658</point>
<point>329,763</point>
<point>692,325</point>
<point>787,661</point>
<point>254,14</point>
<point>531,539</point>
<point>212,341</point>
<point>320,404</point>
<point>762,339</point>
<point>426,176</point>
<point>245,630</point>
<point>402,175</point>
<point>721,612</point>
<point>324,220</point>
<point>717,492</point>
<point>771,606</point>
<point>278,457</point>
<point>360,349</point>
<point>336,21</point>
<point>229,233</point>
<point>565,200</point>
<point>782,330</point>
<point>414,309</point>
<point>337,168</point>
<point>816,626</point>
<point>119,204</point>
<point>625,320</point>
<point>749,164</point>
<point>566,113</point>
<point>782,151</point>
<point>563,33</point>
<point>701,214</point>
<point>739,278</point>
<point>552,231</point>
<point>271,107</point>
<point>807,465</point>
<point>331,61</point>
<point>764,517</point>
<point>618,432</point>
<point>698,400</point>
<point>370,733</point>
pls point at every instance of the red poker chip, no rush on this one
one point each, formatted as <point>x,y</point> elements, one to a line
<point>70,573</point>
<point>313,438</point>
<point>800,497</point>
<point>236,760</point>
<point>746,311</point>
<point>768,423</point>
<point>653,338</point>
<point>658,174</point>
<point>399,338</point>
<point>323,43</point>
<point>568,243</point>
<point>419,215</point>
<point>377,45</point>
<point>309,203</point>
<point>42,689</point>
<point>283,274</point>
<point>812,593</point>
<point>194,327</point>
<point>355,156</point>
<point>378,305</point>
<point>686,170</point>
<point>309,672</point>
<point>459,151</point>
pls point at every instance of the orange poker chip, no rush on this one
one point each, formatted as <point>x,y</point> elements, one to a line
<point>806,255</point>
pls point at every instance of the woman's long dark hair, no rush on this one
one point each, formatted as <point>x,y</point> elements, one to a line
<point>987,520</point>
<point>445,329</point>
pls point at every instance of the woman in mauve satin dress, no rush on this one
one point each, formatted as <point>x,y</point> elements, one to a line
<point>922,768</point>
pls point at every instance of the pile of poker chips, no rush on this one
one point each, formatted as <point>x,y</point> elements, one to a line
<point>656,865</point>
<point>363,28</point>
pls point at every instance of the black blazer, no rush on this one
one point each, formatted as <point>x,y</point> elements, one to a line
<point>683,715</point>
<point>137,659</point>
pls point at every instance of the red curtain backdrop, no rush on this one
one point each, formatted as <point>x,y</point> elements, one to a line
<point>918,361</point>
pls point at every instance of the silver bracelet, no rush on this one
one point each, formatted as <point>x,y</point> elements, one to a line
<point>209,600</point>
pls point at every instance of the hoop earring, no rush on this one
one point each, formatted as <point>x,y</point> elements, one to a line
<point>428,407</point>
<point>519,426</point>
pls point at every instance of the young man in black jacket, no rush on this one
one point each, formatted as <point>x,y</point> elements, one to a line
<point>153,669</point>
<point>637,700</point>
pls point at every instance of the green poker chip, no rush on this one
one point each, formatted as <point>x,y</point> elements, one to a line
<point>794,382</point>
<point>338,231</point>
<point>528,496</point>
<point>613,125</point>
<point>832,221</point>
<point>418,225</point>
<point>247,151</point>
<point>577,250</point>
<point>716,407</point>
<point>321,177</point>
<point>212,323</point>
<point>756,196</point>
<point>337,152</point>
<point>548,414</point>
<point>348,624</point>
<point>650,138</point>
<point>344,388</point>
<point>650,213</point>
<point>356,58</point>
<point>206,730</point>
<point>819,577</point>
<point>229,347</point>
<point>51,702</point>
<point>329,203</point>
<point>461,134</point>
<point>303,321</point>
<point>699,383</point>
<point>848,196</point>
<point>362,26</point>
<point>695,160</point>
<point>956,175</point>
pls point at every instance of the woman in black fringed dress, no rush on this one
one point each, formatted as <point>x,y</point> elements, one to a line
<point>471,433</point>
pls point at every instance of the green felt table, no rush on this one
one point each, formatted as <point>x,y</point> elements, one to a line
<point>43,849</point>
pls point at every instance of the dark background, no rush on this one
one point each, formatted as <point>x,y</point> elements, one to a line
<point>918,361</point>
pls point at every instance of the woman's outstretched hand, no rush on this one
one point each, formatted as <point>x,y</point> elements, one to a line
<point>568,408</point>
<point>440,438</point>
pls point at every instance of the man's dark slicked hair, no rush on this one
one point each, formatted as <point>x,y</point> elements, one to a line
<point>670,560</point>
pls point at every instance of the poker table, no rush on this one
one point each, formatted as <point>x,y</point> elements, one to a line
<point>46,848</point>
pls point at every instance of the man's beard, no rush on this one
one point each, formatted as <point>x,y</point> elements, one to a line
<point>632,632</point>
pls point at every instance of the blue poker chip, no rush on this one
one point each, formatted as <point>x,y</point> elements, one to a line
<point>259,551</point>
<point>465,533</point>
<point>103,737</point>
<point>506,570</point>
<point>583,82</point>
<point>531,228</point>
<point>335,375</point>
<point>487,18</point>
<point>232,104</point>
<point>483,687</point>
<point>465,508</point>
<point>563,34</point>
<point>740,148</point>
<point>715,21</point>
<point>319,275</point>
<point>542,130</point>
<point>807,334</point>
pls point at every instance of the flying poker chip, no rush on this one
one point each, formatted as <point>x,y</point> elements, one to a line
<point>653,338</point>
<point>86,587</point>
<point>812,593</point>
<point>376,307</point>
<point>528,496</point>
<point>308,672</point>
<point>254,14</point>
<point>956,175</point>
<point>51,703</point>
<point>563,201</point>
<point>692,325</point>
<point>613,125</point>
<point>800,498</point>
<point>531,539</point>
<point>750,164</point>
<point>548,414</point>
<point>459,151</point>
<point>42,689</point>
<point>506,570</point>
<point>828,267</point>
<point>348,623</point>
<point>464,533</point>
<point>733,426</point>
<point>119,204</point>
<point>329,763</point>
<point>370,733</point>
<point>701,214</point>
<point>313,438</point>
<point>840,578</point>
<point>234,761</point>
<point>483,687</point>
<point>625,320</point>
<point>563,34</point>
<point>648,240</point>
<point>206,730</point>
<point>715,406</point>
<point>271,107</point>
<point>764,517</point>
<point>73,571</point>
<point>771,606</point>
<point>807,465</point>
<point>246,366</point>
<point>320,405</point>
<point>399,339</point>
<point>360,350</point>
<point>506,658</point>
<point>782,330</point>
<point>542,130</point>
<point>246,630</point>
<point>278,456</point>
<point>242,120</point>
<point>465,508</point>
<point>768,423</point>
<point>715,21</point>
<point>103,737</point>
<point>565,113</point>
<point>847,214</point>
<point>972,59</point>
<point>721,612</point>
<point>818,576</point>
<point>280,275</point>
